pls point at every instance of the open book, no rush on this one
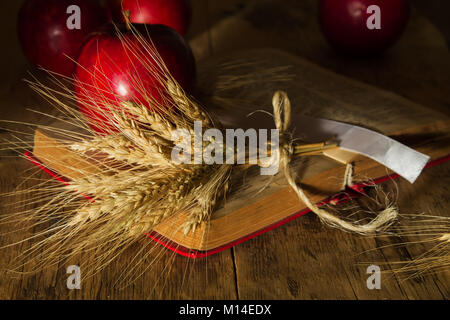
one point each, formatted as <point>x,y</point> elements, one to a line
<point>237,84</point>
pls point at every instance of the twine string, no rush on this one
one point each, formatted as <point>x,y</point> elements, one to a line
<point>282,117</point>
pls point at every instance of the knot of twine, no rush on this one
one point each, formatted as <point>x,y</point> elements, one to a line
<point>282,117</point>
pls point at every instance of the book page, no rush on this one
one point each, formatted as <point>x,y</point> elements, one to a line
<point>239,84</point>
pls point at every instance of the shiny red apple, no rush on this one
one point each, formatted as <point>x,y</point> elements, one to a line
<point>363,27</point>
<point>173,13</point>
<point>113,69</point>
<point>52,32</point>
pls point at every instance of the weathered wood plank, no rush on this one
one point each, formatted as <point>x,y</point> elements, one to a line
<point>307,260</point>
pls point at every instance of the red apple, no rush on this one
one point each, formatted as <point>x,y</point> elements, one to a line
<point>173,13</point>
<point>112,69</point>
<point>47,40</point>
<point>345,24</point>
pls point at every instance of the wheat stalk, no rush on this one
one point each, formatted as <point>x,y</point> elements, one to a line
<point>139,186</point>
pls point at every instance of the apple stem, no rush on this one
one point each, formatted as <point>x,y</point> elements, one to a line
<point>126,15</point>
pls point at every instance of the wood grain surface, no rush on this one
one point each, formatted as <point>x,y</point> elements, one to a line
<point>301,260</point>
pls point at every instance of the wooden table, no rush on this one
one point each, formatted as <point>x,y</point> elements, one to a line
<point>301,260</point>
